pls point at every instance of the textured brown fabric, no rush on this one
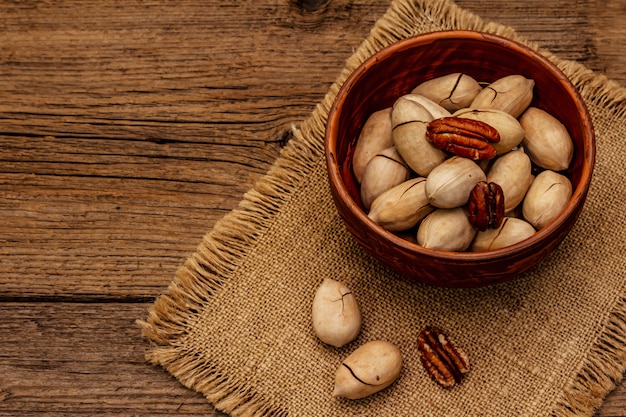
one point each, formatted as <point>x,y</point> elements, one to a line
<point>235,323</point>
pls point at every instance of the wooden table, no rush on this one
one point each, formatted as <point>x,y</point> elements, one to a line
<point>128,128</point>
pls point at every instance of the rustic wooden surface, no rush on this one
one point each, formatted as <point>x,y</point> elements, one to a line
<point>127,128</point>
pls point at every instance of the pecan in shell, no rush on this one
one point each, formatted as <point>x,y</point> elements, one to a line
<point>463,137</point>
<point>485,208</point>
<point>443,360</point>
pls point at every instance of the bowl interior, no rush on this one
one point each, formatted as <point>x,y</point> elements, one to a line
<point>397,69</point>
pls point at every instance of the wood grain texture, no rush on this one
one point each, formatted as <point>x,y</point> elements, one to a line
<point>84,359</point>
<point>128,128</point>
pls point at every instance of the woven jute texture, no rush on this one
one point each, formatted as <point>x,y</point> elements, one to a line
<point>235,322</point>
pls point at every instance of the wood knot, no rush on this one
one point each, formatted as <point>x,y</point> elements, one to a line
<point>309,13</point>
<point>310,6</point>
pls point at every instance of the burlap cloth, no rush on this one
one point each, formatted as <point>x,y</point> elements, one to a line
<point>235,323</point>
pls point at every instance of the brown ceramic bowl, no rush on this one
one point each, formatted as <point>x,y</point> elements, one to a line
<point>396,70</point>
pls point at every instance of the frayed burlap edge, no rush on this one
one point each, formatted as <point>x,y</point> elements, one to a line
<point>233,237</point>
<point>601,370</point>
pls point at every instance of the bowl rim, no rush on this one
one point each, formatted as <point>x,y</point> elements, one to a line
<point>578,194</point>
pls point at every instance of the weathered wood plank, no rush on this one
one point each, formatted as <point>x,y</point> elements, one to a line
<point>84,359</point>
<point>127,130</point>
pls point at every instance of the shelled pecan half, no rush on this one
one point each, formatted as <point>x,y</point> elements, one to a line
<point>443,360</point>
<point>485,208</point>
<point>463,137</point>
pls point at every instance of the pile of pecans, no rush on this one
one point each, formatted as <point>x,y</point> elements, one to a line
<point>456,166</point>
